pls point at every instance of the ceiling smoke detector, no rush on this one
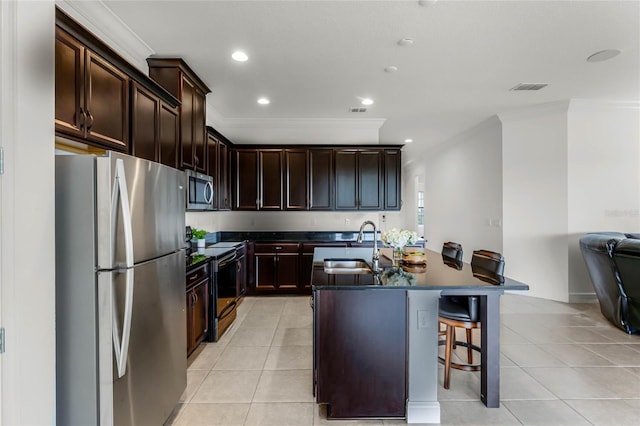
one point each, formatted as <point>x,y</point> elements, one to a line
<point>528,86</point>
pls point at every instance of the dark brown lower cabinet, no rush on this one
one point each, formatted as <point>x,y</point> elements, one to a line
<point>197,307</point>
<point>276,268</point>
<point>360,352</point>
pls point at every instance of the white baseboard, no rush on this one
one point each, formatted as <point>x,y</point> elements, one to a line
<point>582,298</point>
<point>423,412</point>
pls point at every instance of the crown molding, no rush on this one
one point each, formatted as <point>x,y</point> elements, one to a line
<point>310,131</point>
<point>534,111</point>
<point>108,27</point>
<point>595,104</point>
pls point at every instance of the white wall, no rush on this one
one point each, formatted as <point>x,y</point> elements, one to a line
<point>463,189</point>
<point>603,178</point>
<point>534,164</point>
<point>27,264</point>
<point>281,221</point>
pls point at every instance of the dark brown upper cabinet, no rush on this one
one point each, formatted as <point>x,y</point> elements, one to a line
<point>213,152</point>
<point>358,175</point>
<point>92,96</point>
<point>245,171</point>
<point>154,127</point>
<point>178,79</point>
<point>320,179</point>
<point>224,181</point>
<point>104,101</point>
<point>270,178</point>
<point>295,177</point>
<point>218,168</point>
<point>258,179</point>
<point>168,136</point>
<point>392,179</point>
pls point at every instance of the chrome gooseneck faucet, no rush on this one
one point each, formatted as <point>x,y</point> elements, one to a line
<point>375,266</point>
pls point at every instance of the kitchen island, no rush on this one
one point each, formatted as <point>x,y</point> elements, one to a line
<point>376,335</point>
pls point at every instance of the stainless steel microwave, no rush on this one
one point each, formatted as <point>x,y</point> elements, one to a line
<point>200,194</point>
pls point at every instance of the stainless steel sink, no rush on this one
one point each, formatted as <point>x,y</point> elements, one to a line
<point>346,266</point>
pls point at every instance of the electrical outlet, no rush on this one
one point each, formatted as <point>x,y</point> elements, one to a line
<point>347,221</point>
<point>423,319</point>
<point>384,218</point>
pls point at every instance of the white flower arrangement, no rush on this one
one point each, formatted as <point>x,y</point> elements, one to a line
<point>398,238</point>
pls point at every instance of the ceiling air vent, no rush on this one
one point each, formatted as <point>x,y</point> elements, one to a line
<point>529,86</point>
<point>357,109</point>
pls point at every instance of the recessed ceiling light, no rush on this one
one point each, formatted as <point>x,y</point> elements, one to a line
<point>239,56</point>
<point>603,55</point>
<point>264,101</point>
<point>408,140</point>
<point>366,101</point>
<point>406,41</point>
<point>391,69</point>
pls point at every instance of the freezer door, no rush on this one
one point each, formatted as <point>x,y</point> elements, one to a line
<point>152,195</point>
<point>156,365</point>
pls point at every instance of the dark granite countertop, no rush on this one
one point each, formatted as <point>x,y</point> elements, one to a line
<point>436,274</point>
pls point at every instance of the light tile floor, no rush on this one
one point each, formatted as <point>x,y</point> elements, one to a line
<point>561,364</point>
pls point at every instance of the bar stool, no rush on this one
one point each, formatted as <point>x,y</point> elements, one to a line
<point>463,312</point>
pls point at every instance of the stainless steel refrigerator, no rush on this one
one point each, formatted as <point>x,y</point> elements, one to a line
<point>120,290</point>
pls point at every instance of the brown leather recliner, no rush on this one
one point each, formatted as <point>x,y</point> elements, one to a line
<point>613,262</point>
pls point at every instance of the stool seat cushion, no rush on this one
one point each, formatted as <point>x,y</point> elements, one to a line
<point>457,308</point>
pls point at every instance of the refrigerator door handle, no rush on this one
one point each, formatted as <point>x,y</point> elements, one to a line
<point>120,192</point>
<point>121,347</point>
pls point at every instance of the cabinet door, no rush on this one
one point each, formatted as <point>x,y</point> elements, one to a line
<point>190,339</point>
<point>69,82</point>
<point>200,312</point>
<point>265,271</point>
<point>320,179</point>
<point>144,123</point>
<point>212,169</point>
<point>270,180</point>
<point>107,105</point>
<point>287,267</point>
<point>246,179</point>
<point>392,179</point>
<point>186,124</point>
<point>346,179</point>
<point>199,132</point>
<point>370,180</point>
<point>295,179</point>
<point>224,202</point>
<point>168,136</point>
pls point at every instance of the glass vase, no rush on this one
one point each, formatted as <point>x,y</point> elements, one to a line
<point>397,256</point>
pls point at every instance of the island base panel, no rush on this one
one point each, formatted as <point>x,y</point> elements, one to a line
<point>360,352</point>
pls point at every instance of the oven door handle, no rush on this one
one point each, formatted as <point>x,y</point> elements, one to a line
<point>228,310</point>
<point>227,260</point>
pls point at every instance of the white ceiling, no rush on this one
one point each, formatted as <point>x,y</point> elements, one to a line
<point>315,59</point>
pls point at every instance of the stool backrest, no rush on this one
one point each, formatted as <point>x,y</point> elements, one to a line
<point>490,261</point>
<point>452,250</point>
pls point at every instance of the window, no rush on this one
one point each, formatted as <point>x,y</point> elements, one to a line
<point>420,207</point>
